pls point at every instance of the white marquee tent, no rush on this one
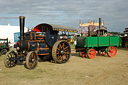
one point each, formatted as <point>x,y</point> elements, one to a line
<point>7,31</point>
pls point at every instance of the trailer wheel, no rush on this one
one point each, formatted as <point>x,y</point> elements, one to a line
<point>82,54</point>
<point>102,52</point>
<point>31,60</point>
<point>91,53</point>
<point>112,51</point>
<point>61,52</point>
<point>3,51</point>
<point>9,59</point>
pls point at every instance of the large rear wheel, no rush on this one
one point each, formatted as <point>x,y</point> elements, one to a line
<point>61,52</point>
<point>9,59</point>
<point>31,60</point>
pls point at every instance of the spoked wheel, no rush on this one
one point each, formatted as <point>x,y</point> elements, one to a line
<point>102,52</point>
<point>61,52</point>
<point>9,59</point>
<point>91,53</point>
<point>3,51</point>
<point>82,54</point>
<point>112,51</point>
<point>31,60</point>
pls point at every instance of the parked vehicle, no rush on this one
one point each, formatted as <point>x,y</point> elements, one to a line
<point>124,40</point>
<point>4,47</point>
<point>43,45</point>
<point>87,46</point>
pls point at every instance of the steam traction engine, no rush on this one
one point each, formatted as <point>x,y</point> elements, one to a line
<point>46,44</point>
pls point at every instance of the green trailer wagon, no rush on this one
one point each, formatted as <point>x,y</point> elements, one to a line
<point>4,47</point>
<point>87,46</point>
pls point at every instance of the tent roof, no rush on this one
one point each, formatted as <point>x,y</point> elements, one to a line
<point>45,27</point>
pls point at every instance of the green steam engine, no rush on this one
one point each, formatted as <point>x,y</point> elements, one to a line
<point>98,41</point>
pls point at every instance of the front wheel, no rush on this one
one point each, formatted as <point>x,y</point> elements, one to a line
<point>31,60</point>
<point>10,59</point>
<point>61,52</point>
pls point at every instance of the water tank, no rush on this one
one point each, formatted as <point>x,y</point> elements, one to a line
<point>80,41</point>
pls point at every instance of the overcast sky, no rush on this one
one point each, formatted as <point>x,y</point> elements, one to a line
<point>65,12</point>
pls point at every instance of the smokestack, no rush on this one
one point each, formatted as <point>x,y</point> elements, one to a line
<point>22,22</point>
<point>89,32</point>
<point>99,23</point>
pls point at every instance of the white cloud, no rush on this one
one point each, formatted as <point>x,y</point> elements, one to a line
<point>67,12</point>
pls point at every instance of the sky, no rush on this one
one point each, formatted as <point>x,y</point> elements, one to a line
<point>66,12</point>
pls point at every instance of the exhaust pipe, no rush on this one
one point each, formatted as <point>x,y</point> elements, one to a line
<point>99,26</point>
<point>22,22</point>
<point>89,32</point>
<point>99,23</point>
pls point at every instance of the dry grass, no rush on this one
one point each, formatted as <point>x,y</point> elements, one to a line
<point>78,71</point>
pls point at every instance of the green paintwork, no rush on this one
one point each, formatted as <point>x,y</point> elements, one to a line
<point>3,43</point>
<point>99,41</point>
<point>91,42</point>
<point>103,41</point>
<point>80,41</point>
<point>115,41</point>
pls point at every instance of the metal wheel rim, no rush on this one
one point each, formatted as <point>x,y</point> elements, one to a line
<point>31,60</point>
<point>91,53</point>
<point>61,52</point>
<point>112,51</point>
<point>82,54</point>
<point>10,63</point>
<point>3,52</point>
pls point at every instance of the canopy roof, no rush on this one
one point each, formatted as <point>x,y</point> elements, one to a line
<point>105,30</point>
<point>45,27</point>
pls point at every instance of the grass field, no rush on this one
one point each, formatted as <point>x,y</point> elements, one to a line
<point>78,71</point>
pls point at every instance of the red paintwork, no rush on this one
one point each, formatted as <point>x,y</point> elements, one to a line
<point>112,51</point>
<point>91,53</point>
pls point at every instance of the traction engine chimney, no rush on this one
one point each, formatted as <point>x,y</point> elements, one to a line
<point>99,26</point>
<point>99,23</point>
<point>22,22</point>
